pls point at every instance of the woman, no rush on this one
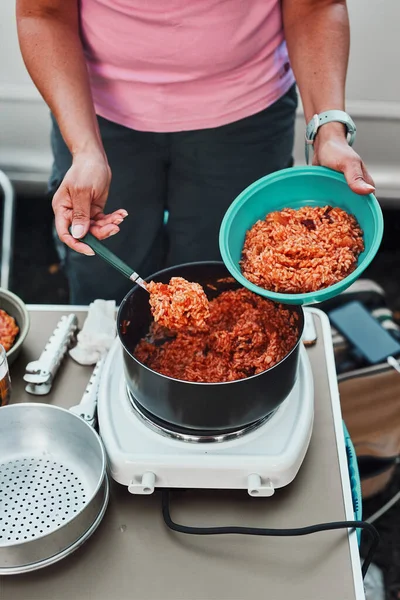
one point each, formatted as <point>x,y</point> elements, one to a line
<point>178,106</point>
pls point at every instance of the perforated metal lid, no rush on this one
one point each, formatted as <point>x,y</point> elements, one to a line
<point>37,496</point>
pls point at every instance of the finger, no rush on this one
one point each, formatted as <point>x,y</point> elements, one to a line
<point>102,233</point>
<point>62,223</point>
<point>315,161</point>
<point>105,221</point>
<point>367,176</point>
<point>115,218</point>
<point>63,220</point>
<point>120,213</point>
<point>81,200</point>
<point>97,207</point>
<point>354,174</point>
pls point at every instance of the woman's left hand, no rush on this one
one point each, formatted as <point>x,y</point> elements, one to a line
<point>332,150</point>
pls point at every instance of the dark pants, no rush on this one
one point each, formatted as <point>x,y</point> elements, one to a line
<point>193,175</point>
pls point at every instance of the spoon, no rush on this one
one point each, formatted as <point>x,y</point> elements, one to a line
<point>172,313</point>
<point>113,260</point>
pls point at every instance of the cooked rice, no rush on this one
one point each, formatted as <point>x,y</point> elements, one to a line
<point>8,330</point>
<point>179,304</point>
<point>304,250</point>
<point>245,335</point>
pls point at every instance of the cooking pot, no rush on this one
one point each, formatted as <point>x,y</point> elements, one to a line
<point>204,408</point>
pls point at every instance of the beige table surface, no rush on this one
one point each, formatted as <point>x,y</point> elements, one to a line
<point>134,556</point>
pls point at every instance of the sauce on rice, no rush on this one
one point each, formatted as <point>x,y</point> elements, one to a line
<point>244,335</point>
<point>304,250</point>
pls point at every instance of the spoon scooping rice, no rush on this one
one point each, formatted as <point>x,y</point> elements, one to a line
<point>179,304</point>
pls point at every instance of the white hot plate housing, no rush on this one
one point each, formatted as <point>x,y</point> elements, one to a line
<point>260,461</point>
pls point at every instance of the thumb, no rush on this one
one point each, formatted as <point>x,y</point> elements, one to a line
<point>81,214</point>
<point>355,178</point>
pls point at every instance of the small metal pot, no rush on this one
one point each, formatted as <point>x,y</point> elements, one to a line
<point>53,481</point>
<point>210,408</point>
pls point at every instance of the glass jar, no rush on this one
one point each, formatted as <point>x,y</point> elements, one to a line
<point>5,380</point>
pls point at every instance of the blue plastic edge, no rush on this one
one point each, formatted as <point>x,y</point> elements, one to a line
<point>355,481</point>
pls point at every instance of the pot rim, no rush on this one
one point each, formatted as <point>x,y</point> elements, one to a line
<point>293,307</point>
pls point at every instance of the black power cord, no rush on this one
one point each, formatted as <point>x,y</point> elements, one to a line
<point>273,532</point>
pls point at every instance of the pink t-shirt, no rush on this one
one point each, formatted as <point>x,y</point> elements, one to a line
<point>176,65</point>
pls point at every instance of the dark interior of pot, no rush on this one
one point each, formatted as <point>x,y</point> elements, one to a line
<point>200,406</point>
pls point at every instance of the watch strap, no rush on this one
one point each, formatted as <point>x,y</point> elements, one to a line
<point>329,116</point>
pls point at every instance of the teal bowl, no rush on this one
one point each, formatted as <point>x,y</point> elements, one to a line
<point>294,188</point>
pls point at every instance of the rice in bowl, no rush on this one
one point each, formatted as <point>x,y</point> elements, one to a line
<point>302,250</point>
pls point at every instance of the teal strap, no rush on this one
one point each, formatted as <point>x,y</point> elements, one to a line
<point>355,481</point>
<point>329,116</point>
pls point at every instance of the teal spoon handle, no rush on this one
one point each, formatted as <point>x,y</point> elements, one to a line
<point>113,260</point>
<point>106,254</point>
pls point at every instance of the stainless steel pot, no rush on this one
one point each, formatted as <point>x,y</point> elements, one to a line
<point>53,482</point>
<point>200,407</point>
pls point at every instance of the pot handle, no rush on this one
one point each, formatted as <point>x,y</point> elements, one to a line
<point>87,407</point>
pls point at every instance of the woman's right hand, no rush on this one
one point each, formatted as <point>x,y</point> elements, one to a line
<point>80,201</point>
<point>51,45</point>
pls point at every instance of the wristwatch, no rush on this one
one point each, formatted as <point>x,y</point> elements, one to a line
<point>330,116</point>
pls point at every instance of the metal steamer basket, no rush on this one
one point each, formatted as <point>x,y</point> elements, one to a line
<point>53,482</point>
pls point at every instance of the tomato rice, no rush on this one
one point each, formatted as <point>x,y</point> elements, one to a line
<point>303,250</point>
<point>8,330</point>
<point>179,304</point>
<point>244,335</point>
